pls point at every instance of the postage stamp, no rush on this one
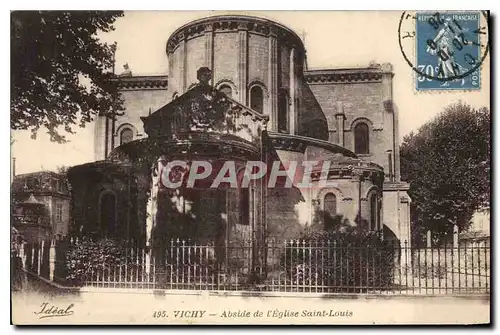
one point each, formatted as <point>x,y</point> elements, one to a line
<point>232,171</point>
<point>448,46</point>
<point>445,49</point>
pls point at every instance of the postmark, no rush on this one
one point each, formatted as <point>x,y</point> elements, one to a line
<point>445,49</point>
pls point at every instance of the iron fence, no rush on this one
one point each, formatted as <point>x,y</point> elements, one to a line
<point>278,266</point>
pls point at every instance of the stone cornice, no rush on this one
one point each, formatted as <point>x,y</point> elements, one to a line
<point>194,144</point>
<point>352,75</point>
<point>340,171</point>
<point>234,23</point>
<point>142,83</point>
<point>396,186</point>
<point>354,172</point>
<point>298,143</point>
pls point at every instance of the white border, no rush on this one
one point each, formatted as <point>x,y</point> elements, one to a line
<point>197,5</point>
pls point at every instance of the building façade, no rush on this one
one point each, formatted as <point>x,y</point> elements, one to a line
<point>259,102</point>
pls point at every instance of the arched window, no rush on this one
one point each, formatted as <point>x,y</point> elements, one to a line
<point>108,213</point>
<point>283,111</point>
<point>361,139</point>
<point>330,204</point>
<point>126,135</point>
<point>245,206</point>
<point>257,99</point>
<point>374,217</point>
<point>227,90</point>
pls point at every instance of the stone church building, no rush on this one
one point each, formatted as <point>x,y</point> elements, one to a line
<point>239,89</point>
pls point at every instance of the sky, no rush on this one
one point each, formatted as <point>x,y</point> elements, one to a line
<point>333,39</point>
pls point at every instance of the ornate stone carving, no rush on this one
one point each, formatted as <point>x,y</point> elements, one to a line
<point>273,31</point>
<point>289,144</point>
<point>386,67</point>
<point>208,27</point>
<point>127,72</point>
<point>314,77</point>
<point>207,112</point>
<point>242,25</point>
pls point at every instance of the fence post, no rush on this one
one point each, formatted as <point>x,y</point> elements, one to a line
<point>148,262</point>
<point>22,254</point>
<point>28,257</point>
<point>61,270</point>
<point>455,236</point>
<point>40,256</point>
<point>404,254</point>
<point>429,238</point>
<point>35,262</point>
<point>52,259</point>
<point>45,260</point>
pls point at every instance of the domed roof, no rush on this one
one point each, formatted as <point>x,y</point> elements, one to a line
<point>256,24</point>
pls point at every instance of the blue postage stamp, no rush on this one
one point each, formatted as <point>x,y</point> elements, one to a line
<point>448,50</point>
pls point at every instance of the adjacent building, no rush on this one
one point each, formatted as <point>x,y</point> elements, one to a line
<point>40,205</point>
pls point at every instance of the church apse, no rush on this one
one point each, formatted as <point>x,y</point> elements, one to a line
<point>238,91</point>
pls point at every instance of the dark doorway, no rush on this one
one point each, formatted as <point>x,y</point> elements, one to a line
<point>108,213</point>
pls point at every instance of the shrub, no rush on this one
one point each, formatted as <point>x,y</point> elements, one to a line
<point>88,259</point>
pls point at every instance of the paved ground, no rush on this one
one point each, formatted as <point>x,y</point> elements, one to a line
<point>123,306</point>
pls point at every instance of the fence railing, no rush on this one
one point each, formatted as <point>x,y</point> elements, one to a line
<point>281,266</point>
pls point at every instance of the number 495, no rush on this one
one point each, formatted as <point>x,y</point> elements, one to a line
<point>160,314</point>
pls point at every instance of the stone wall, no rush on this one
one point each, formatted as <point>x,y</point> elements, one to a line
<point>396,211</point>
<point>290,211</point>
<point>137,102</point>
<point>225,57</point>
<point>258,60</point>
<point>361,95</point>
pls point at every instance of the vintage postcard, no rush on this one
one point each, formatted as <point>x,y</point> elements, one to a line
<point>263,168</point>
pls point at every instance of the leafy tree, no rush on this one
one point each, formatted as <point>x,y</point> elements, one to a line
<point>60,70</point>
<point>447,163</point>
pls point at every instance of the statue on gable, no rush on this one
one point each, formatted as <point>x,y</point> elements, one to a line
<point>207,110</point>
<point>127,72</point>
<point>204,75</point>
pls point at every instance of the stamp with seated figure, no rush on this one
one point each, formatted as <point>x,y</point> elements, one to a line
<point>449,49</point>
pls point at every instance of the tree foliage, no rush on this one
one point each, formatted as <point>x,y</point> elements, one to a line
<point>60,70</point>
<point>447,163</point>
<point>88,259</point>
